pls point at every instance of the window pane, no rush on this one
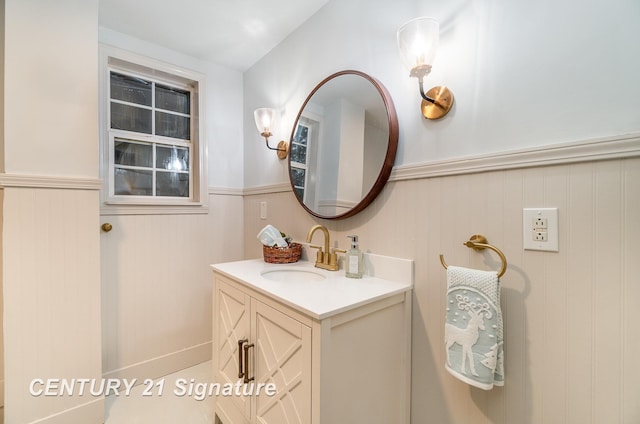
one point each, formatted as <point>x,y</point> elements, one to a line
<point>133,182</point>
<point>130,118</point>
<point>174,126</point>
<point>297,176</point>
<point>301,135</point>
<point>299,193</point>
<point>168,98</point>
<point>175,184</point>
<point>130,89</point>
<point>298,153</point>
<point>133,154</point>
<point>172,158</point>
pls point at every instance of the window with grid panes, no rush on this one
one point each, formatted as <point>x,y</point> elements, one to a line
<point>150,138</point>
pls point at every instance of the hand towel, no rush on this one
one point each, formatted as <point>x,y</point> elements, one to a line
<point>473,327</point>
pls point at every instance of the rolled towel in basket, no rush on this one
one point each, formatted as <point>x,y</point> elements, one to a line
<point>270,236</point>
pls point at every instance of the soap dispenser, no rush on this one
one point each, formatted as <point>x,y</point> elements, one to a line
<point>354,265</point>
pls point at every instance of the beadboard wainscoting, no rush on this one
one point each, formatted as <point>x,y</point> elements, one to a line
<point>571,317</point>
<point>51,284</point>
<point>156,286</point>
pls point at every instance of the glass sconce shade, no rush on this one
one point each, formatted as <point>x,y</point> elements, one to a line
<point>418,44</point>
<point>264,120</point>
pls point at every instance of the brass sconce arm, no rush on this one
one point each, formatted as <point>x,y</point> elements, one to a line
<point>424,96</point>
<point>282,145</point>
<point>420,72</point>
<point>437,102</point>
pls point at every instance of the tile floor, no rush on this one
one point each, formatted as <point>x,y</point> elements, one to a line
<point>164,408</point>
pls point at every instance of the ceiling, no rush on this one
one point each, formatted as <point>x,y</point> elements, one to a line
<point>232,33</point>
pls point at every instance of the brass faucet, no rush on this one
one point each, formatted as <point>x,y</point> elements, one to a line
<point>324,259</point>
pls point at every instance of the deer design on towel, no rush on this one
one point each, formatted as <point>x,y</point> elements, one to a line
<point>467,337</point>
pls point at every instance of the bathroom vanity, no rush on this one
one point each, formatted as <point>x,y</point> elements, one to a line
<point>332,349</point>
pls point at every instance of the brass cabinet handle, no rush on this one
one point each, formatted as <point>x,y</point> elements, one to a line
<point>240,371</point>
<point>246,363</point>
<point>106,227</point>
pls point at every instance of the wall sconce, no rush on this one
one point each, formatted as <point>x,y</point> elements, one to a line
<point>418,43</point>
<point>264,121</point>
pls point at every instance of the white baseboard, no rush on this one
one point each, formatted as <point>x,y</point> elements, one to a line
<point>163,365</point>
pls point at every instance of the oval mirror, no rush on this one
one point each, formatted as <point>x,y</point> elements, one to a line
<point>343,145</point>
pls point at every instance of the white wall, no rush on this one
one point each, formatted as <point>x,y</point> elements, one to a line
<point>524,75</point>
<point>50,244</point>
<point>41,108</point>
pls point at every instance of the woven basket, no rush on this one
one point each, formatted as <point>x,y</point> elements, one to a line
<point>282,255</point>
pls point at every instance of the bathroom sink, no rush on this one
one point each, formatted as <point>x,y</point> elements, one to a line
<point>293,275</point>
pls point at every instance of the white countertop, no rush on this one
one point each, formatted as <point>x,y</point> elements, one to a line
<point>324,298</point>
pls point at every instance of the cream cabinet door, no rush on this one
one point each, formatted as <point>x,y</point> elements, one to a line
<point>232,307</point>
<point>282,357</point>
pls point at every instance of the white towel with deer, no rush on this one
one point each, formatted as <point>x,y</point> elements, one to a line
<point>473,328</point>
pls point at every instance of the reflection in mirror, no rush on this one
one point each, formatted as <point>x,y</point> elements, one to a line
<point>343,145</point>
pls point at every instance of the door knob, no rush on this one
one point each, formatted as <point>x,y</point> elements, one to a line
<point>106,227</point>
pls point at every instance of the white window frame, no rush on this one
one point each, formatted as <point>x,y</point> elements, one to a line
<point>117,60</point>
<point>299,165</point>
<point>314,122</point>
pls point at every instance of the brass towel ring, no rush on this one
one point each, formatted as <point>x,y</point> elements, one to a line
<point>479,242</point>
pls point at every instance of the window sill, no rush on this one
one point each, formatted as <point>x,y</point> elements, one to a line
<point>125,208</point>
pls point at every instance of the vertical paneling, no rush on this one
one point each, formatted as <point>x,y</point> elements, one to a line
<point>571,338</point>
<point>226,231</point>
<point>51,291</point>
<point>630,293</point>
<point>553,343</point>
<point>2,373</point>
<point>429,295</point>
<point>533,304</point>
<point>607,305</point>
<point>156,284</point>
<point>516,287</point>
<point>580,263</point>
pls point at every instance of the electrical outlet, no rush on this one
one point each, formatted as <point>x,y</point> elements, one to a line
<point>540,229</point>
<point>540,236</point>
<point>540,223</point>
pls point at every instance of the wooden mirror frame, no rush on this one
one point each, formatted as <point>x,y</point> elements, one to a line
<point>392,145</point>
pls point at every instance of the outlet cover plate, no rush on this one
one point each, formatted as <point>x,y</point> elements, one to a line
<point>263,210</point>
<point>529,230</point>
